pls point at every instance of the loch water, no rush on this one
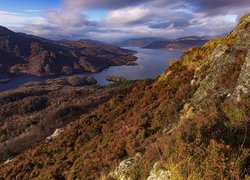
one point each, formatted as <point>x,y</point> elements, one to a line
<point>151,63</point>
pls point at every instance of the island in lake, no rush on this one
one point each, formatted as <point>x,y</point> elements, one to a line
<point>115,78</point>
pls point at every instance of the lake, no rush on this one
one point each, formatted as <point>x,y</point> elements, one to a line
<point>151,63</point>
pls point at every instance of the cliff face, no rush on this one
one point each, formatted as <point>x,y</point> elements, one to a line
<point>193,120</point>
<point>21,53</point>
<point>226,70</point>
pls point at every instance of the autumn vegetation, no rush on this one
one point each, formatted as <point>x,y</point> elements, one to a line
<point>188,119</point>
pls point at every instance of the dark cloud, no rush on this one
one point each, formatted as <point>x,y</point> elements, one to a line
<point>159,25</point>
<point>217,4</point>
<point>214,7</point>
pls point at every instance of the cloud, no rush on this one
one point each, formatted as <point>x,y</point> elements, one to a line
<point>159,24</point>
<point>11,13</point>
<point>53,31</point>
<point>211,26</point>
<point>217,6</point>
<point>132,18</point>
<point>72,18</point>
<point>13,19</point>
<point>109,4</point>
<point>127,16</point>
<point>33,10</point>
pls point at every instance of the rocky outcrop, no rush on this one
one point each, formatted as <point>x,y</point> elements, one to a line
<point>127,169</point>
<point>240,35</point>
<point>55,134</point>
<point>243,83</point>
<point>158,173</point>
<point>226,69</point>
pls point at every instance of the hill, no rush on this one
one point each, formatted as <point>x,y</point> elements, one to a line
<point>138,42</point>
<point>21,53</point>
<point>35,110</point>
<point>181,44</point>
<point>192,122</point>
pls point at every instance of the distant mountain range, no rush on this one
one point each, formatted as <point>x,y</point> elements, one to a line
<point>180,44</point>
<point>139,42</point>
<point>22,53</point>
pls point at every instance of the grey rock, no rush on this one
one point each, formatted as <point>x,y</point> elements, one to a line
<point>157,173</point>
<point>127,169</point>
<point>243,83</point>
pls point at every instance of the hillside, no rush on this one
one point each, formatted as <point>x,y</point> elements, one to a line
<point>21,53</point>
<point>35,110</point>
<point>138,42</point>
<point>181,44</point>
<point>192,122</point>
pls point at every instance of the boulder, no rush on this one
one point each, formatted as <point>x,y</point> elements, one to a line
<point>127,169</point>
<point>158,173</point>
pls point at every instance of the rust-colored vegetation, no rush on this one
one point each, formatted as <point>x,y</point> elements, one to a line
<point>206,139</point>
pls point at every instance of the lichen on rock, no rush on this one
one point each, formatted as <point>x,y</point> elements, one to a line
<point>127,169</point>
<point>227,64</point>
<point>158,173</point>
<point>243,84</point>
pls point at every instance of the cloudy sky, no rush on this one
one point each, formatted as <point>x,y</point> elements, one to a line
<point>113,20</point>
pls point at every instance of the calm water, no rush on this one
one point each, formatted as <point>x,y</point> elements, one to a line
<point>151,63</point>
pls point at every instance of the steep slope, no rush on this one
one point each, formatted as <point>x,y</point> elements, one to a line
<point>193,120</point>
<point>181,44</point>
<point>21,53</point>
<point>33,111</point>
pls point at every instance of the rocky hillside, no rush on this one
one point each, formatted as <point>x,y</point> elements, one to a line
<point>192,122</point>
<point>21,53</point>
<point>181,44</point>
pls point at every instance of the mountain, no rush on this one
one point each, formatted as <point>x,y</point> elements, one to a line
<point>192,38</point>
<point>138,42</point>
<point>21,53</point>
<point>192,122</point>
<point>181,44</point>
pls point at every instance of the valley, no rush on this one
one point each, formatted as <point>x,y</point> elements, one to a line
<point>191,122</point>
<point>150,64</point>
<point>125,90</point>
<point>26,54</point>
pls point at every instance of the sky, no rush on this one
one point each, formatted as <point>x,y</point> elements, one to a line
<point>116,20</point>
